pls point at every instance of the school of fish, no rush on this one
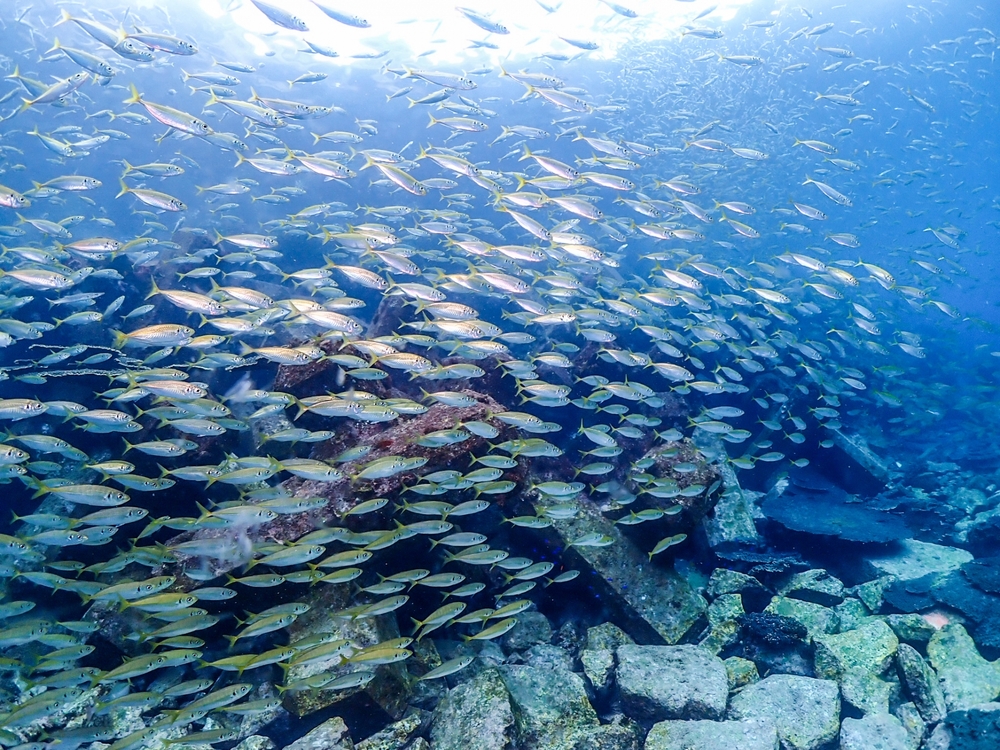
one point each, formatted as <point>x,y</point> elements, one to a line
<point>608,252</point>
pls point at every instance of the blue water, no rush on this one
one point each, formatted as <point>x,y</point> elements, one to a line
<point>914,130</point>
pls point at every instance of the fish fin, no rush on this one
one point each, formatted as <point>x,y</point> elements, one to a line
<point>135,98</point>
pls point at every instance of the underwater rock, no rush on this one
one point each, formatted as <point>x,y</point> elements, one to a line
<point>479,708</point>
<point>393,737</point>
<point>725,607</point>
<point>858,449</point>
<point>532,628</point>
<point>882,731</point>
<point>720,637</point>
<point>858,659</point>
<point>966,678</point>
<point>851,614</point>
<point>912,595</point>
<point>598,668</point>
<point>967,499</point>
<point>912,629</point>
<point>616,736</point>
<point>654,603</point>
<point>598,655</point>
<point>772,630</point>
<point>607,635</point>
<point>975,728</point>
<point>913,724</point>
<point>921,684</point>
<point>723,614</point>
<point>832,514</point>
<point>546,656</point>
<point>726,581</point>
<point>982,609</point>
<point>984,574</point>
<point>765,562</point>
<point>870,648</point>
<point>775,643</point>
<point>700,472</point>
<point>868,693</point>
<point>551,709</point>
<point>255,742</point>
<point>731,522</point>
<point>872,593</point>
<point>671,682</point>
<point>815,618</point>
<point>816,586</point>
<point>913,559</point>
<point>388,690</point>
<point>712,735</point>
<point>981,532</point>
<point>805,711</point>
<point>940,739</point>
<point>332,734</point>
<point>741,672</point>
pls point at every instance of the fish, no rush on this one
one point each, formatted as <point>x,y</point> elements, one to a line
<point>252,347</point>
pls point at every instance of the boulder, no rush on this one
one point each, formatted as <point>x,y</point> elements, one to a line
<point>255,742</point>
<point>726,581</point>
<point>805,711</point>
<point>598,667</point>
<point>938,739</point>
<point>966,678</point>
<point>911,559</point>
<point>816,586</point>
<point>393,737</point>
<point>857,659</point>
<point>548,657</point>
<point>731,522</point>
<point>712,735</point>
<point>607,635</point>
<point>913,723</point>
<point>671,682</point>
<point>741,672</point>
<point>653,602</point>
<point>976,728</point>
<point>626,736</point>
<point>332,734</point>
<point>851,614</point>
<point>815,618</point>
<point>532,628</point>
<point>911,628</point>
<point>870,649</point>
<point>867,692</point>
<point>480,708</point>
<point>550,706</point>
<point>724,608</point>
<point>921,684</point>
<point>874,732</point>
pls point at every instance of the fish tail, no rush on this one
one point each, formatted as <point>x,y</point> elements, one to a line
<point>135,98</point>
<point>120,338</point>
<point>40,487</point>
<point>64,16</point>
